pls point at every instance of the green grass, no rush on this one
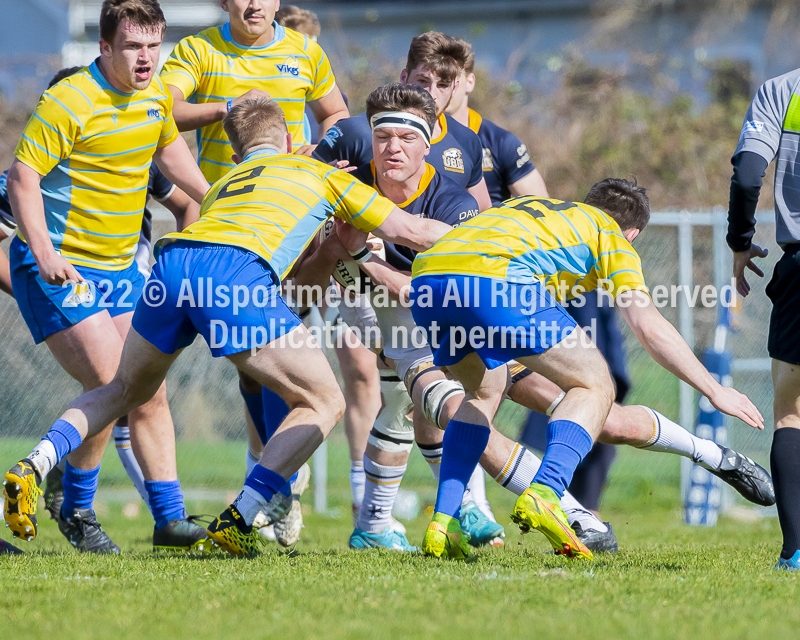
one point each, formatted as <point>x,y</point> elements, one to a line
<point>668,581</point>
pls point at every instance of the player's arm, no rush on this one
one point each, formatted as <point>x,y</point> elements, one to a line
<point>328,110</point>
<point>177,164</point>
<point>531,184</point>
<point>25,196</point>
<point>182,207</point>
<point>189,116</point>
<point>481,195</point>
<point>5,270</point>
<point>666,346</point>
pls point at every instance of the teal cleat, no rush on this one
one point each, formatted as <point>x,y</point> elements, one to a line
<point>387,539</point>
<point>792,564</point>
<point>481,529</point>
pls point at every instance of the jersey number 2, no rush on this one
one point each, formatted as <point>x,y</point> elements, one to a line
<point>227,192</point>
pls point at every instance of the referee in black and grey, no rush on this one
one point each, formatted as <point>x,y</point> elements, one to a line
<point>771,131</point>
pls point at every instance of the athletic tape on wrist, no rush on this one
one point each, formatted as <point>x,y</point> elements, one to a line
<point>361,256</point>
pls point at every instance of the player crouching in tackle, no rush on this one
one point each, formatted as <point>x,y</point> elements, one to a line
<point>480,295</point>
<point>254,224</point>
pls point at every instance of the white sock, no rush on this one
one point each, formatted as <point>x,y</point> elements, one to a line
<point>433,456</point>
<point>43,457</point>
<point>122,441</point>
<point>250,461</point>
<point>380,490</point>
<point>671,437</point>
<point>249,503</point>
<point>517,475</point>
<point>357,480</point>
<point>476,487</point>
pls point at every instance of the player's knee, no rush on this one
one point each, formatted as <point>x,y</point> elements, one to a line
<point>440,397</point>
<point>393,432</point>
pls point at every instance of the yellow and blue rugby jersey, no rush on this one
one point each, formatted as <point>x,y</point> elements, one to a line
<point>93,146</point>
<point>213,67</point>
<point>561,244</point>
<point>272,204</point>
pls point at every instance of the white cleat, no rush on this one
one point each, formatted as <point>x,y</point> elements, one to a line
<point>287,529</point>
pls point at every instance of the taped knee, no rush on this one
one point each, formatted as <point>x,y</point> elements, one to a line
<point>434,397</point>
<point>393,432</point>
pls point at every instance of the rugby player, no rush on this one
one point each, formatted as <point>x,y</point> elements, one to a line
<point>434,63</point>
<point>507,166</point>
<point>208,73</point>
<point>78,189</point>
<point>245,243</point>
<point>771,131</point>
<point>505,257</point>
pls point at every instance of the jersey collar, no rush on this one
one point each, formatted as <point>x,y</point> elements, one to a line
<point>474,120</point>
<point>424,181</point>
<point>279,34</point>
<point>260,153</point>
<point>443,125</point>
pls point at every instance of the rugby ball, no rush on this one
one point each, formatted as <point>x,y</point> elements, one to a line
<point>346,272</point>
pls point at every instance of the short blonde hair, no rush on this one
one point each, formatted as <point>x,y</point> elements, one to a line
<point>300,20</point>
<point>253,123</point>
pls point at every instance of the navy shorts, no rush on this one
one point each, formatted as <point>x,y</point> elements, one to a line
<point>226,294</point>
<point>498,320</point>
<point>49,308</point>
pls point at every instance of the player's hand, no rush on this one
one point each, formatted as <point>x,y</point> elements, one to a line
<point>55,269</point>
<point>744,260</point>
<point>253,94</point>
<point>738,405</point>
<point>351,238</point>
<point>305,150</point>
<point>344,165</point>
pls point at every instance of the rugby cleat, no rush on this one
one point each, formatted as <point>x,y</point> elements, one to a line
<point>792,564</point>
<point>230,532</point>
<point>386,539</point>
<point>181,535</point>
<point>750,479</point>
<point>597,541</point>
<point>21,490</point>
<point>54,492</point>
<point>6,548</point>
<point>84,532</point>
<point>539,508</point>
<point>445,539</point>
<point>480,529</point>
<point>287,529</point>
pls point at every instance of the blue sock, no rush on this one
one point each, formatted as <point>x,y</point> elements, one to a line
<point>275,411</point>
<point>267,482</point>
<point>166,501</point>
<point>65,438</point>
<point>462,447</point>
<point>79,489</point>
<point>567,444</point>
<point>267,410</point>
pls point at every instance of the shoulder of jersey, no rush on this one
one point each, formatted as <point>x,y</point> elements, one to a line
<point>462,133</point>
<point>78,92</point>
<point>301,42</point>
<point>444,188</point>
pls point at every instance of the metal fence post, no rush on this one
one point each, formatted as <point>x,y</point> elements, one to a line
<point>686,327</point>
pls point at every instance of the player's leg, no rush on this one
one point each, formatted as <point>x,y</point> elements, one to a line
<point>647,429</point>
<point>785,459</point>
<point>294,367</point>
<point>385,461</point>
<point>463,444</point>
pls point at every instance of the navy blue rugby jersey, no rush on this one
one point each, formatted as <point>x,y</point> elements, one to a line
<point>505,158</point>
<point>438,197</point>
<point>456,153</point>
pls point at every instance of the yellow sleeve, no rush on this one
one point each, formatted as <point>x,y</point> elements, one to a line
<point>619,267</point>
<point>323,80</point>
<point>51,131</point>
<point>355,202</point>
<point>169,130</point>
<point>184,68</point>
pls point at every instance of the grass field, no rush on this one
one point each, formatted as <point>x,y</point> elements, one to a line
<point>668,581</point>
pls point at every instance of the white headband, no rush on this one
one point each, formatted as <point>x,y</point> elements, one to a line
<point>402,120</point>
